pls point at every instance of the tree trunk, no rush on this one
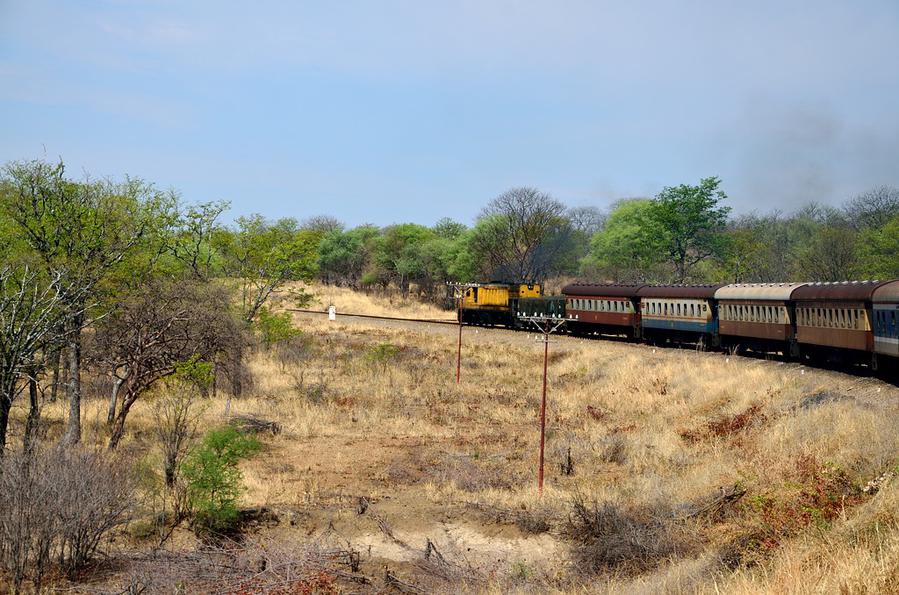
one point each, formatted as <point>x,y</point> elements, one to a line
<point>118,426</point>
<point>64,376</point>
<point>5,405</point>
<point>113,400</point>
<point>55,363</point>
<point>34,413</point>
<point>237,369</point>
<point>73,429</point>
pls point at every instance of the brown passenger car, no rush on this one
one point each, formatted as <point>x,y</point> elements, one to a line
<point>758,316</point>
<point>836,316</point>
<point>603,308</point>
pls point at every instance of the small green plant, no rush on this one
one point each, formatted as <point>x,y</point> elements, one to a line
<point>521,571</point>
<point>382,354</point>
<point>214,481</point>
<point>276,328</point>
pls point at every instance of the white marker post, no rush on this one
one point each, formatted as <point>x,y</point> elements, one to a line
<point>332,312</point>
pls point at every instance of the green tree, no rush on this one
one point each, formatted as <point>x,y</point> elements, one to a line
<point>191,240</point>
<point>344,256</point>
<point>691,221</point>
<point>265,256</point>
<point>85,230</point>
<point>628,248</point>
<point>398,253</point>
<point>879,249</point>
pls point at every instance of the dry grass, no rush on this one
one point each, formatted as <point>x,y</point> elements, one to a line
<point>653,436</point>
<point>375,302</point>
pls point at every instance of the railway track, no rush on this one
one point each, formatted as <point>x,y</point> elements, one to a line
<point>846,369</point>
<point>376,317</point>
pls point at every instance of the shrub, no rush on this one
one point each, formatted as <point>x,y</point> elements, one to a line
<point>381,355</point>
<point>276,328</point>
<point>608,538</point>
<point>214,480</point>
<point>56,506</point>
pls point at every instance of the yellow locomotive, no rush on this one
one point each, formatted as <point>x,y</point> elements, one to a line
<point>495,304</point>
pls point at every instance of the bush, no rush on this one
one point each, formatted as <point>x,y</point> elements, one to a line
<point>276,328</point>
<point>380,355</point>
<point>214,480</point>
<point>607,538</point>
<point>56,506</point>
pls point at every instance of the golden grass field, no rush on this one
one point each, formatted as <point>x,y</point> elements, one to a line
<point>699,472</point>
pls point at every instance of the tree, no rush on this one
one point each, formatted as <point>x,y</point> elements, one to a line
<point>830,254</point>
<point>344,256</point>
<point>31,312</point>
<point>398,253</point>
<point>191,242</point>
<point>265,256</point>
<point>83,228</point>
<point>879,249</point>
<point>628,247</point>
<point>692,223</point>
<point>322,224</point>
<point>874,208</point>
<point>521,235</point>
<point>153,332</point>
<point>448,229</point>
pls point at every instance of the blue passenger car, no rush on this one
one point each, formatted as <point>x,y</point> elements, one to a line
<point>885,323</point>
<point>683,313</point>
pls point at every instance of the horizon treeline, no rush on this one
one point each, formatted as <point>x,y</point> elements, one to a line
<point>684,234</point>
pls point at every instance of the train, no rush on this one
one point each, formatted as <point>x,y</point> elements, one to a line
<point>850,322</point>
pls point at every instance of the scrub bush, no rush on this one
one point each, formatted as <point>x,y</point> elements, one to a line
<point>214,480</point>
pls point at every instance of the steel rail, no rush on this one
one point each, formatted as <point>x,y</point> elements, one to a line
<point>375,316</point>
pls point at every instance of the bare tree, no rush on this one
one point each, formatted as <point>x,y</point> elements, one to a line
<point>874,208</point>
<point>153,331</point>
<point>31,313</point>
<point>177,416</point>
<point>587,220</point>
<point>322,224</point>
<point>522,233</point>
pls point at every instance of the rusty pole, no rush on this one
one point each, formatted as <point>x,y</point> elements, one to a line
<point>543,414</point>
<point>459,349</point>
<point>547,324</point>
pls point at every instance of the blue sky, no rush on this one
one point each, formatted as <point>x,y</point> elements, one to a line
<point>410,111</point>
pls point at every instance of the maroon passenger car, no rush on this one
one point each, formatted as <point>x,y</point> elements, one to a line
<point>603,309</point>
<point>833,320</point>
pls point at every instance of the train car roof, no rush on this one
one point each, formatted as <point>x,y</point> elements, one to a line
<point>780,292</point>
<point>679,291</point>
<point>841,290</point>
<point>602,289</point>
<point>888,292</point>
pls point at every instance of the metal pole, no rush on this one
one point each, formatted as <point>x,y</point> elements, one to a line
<point>459,351</point>
<point>543,414</point>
